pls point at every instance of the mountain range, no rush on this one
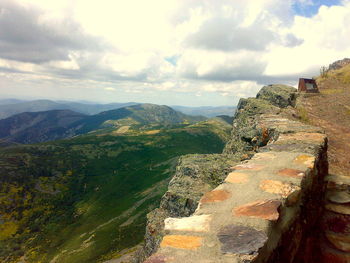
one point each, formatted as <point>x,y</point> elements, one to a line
<point>10,107</point>
<point>34,127</point>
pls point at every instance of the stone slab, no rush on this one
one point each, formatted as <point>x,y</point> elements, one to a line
<point>336,181</point>
<point>237,178</point>
<point>340,197</point>
<point>264,156</point>
<point>196,223</point>
<point>338,208</point>
<point>181,241</point>
<point>249,166</point>
<point>287,172</point>
<point>278,187</point>
<point>264,209</point>
<point>306,160</point>
<point>301,136</point>
<point>341,242</point>
<point>215,196</point>
<point>238,239</point>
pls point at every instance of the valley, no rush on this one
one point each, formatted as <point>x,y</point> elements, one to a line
<point>85,198</point>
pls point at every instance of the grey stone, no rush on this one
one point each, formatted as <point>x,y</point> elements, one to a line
<point>279,95</point>
<point>237,239</point>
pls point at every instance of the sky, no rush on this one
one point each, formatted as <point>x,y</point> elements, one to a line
<point>174,52</point>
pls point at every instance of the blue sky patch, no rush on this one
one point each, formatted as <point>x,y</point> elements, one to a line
<point>172,60</point>
<point>310,8</point>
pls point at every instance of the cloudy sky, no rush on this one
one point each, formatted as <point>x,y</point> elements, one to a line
<point>176,52</point>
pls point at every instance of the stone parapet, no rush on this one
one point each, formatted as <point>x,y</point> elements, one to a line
<point>266,210</point>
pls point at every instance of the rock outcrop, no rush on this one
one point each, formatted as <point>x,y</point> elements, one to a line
<point>339,64</point>
<point>264,209</point>
<point>246,136</point>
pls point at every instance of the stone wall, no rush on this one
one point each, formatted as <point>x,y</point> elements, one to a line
<point>265,208</point>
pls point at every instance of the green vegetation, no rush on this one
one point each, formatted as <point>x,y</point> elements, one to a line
<point>85,199</point>
<point>342,74</point>
<point>302,114</point>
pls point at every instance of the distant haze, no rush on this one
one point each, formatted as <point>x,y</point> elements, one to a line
<point>10,107</point>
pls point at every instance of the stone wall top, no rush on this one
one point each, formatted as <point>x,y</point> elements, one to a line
<point>267,208</point>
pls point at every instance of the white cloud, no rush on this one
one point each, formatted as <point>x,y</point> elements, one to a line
<point>325,39</point>
<point>224,47</point>
<point>109,89</point>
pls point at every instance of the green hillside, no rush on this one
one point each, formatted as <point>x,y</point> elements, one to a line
<point>85,199</point>
<point>36,127</point>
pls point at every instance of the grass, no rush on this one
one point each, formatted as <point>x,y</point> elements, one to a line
<point>342,75</point>
<point>303,115</point>
<point>331,91</point>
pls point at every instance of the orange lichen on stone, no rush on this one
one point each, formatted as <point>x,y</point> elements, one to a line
<point>278,187</point>
<point>180,241</point>
<point>291,173</point>
<point>215,196</point>
<point>307,160</point>
<point>264,209</point>
<point>237,178</point>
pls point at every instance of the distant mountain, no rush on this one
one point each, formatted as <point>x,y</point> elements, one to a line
<point>43,126</point>
<point>141,114</point>
<point>11,107</point>
<point>34,127</point>
<point>9,101</point>
<point>207,111</point>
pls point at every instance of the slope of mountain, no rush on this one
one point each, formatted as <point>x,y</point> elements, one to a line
<point>11,107</point>
<point>43,126</point>
<point>34,127</point>
<point>206,110</point>
<point>85,199</point>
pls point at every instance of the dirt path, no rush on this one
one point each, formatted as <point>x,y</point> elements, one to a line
<point>331,110</point>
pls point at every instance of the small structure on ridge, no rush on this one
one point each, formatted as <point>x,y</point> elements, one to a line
<point>307,85</point>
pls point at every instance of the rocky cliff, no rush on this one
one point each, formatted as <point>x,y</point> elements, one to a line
<point>257,124</point>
